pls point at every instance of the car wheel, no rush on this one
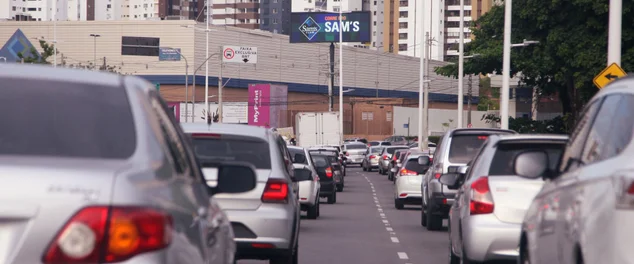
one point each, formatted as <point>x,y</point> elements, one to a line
<point>335,199</point>
<point>331,198</point>
<point>363,166</point>
<point>423,217</point>
<point>453,259</point>
<point>312,211</point>
<point>340,188</point>
<point>291,258</point>
<point>434,222</point>
<point>524,256</point>
<point>399,204</point>
<point>380,170</point>
<point>318,206</point>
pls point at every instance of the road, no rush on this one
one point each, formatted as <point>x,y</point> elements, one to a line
<point>364,227</point>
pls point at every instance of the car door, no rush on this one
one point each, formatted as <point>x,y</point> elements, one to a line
<point>188,191</point>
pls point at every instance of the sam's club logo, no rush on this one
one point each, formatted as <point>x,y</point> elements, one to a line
<point>309,28</point>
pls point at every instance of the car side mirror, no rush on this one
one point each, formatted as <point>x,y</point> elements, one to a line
<point>235,177</point>
<point>531,164</point>
<point>451,180</point>
<point>463,169</point>
<point>299,158</point>
<point>424,160</point>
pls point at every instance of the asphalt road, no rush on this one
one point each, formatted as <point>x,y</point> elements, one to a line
<point>364,227</point>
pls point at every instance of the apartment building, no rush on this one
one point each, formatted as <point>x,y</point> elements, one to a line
<point>275,16</point>
<point>308,5</point>
<point>238,13</point>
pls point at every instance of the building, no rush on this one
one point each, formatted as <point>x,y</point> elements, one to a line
<point>275,16</point>
<point>243,14</point>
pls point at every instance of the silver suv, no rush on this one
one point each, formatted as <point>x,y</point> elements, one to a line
<point>455,149</point>
<point>266,220</point>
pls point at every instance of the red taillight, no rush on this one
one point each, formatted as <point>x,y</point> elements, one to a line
<point>276,191</point>
<point>406,172</point>
<point>347,154</point>
<point>482,137</point>
<point>437,175</point>
<point>329,172</point>
<point>630,190</point>
<point>385,157</point>
<point>130,231</point>
<point>481,198</point>
<point>393,157</point>
<point>206,135</point>
<point>372,156</point>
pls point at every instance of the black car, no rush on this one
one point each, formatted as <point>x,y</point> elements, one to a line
<point>326,173</point>
<point>337,164</point>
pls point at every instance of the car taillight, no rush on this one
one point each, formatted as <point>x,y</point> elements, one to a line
<point>276,191</point>
<point>393,157</point>
<point>329,172</point>
<point>205,135</point>
<point>406,172</point>
<point>438,171</point>
<point>104,234</point>
<point>385,157</point>
<point>481,198</point>
<point>372,156</point>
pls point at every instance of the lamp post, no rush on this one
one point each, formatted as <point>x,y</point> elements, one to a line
<point>614,31</point>
<point>194,88</point>
<point>186,79</point>
<point>422,129</point>
<point>461,66</point>
<point>506,67</point>
<point>94,51</point>
<point>207,30</point>
<point>378,54</point>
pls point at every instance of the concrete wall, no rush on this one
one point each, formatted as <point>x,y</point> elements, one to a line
<point>436,119</point>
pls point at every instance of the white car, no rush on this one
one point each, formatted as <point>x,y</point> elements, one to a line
<point>408,179</point>
<point>309,186</point>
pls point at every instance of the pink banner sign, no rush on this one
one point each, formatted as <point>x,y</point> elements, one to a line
<point>259,105</point>
<point>175,108</point>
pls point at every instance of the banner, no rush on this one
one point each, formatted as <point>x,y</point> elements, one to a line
<point>259,105</point>
<point>309,27</point>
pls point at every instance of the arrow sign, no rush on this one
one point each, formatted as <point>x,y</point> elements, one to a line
<point>245,60</point>
<point>608,75</point>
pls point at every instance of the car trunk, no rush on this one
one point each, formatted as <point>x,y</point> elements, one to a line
<point>39,195</point>
<point>356,155</point>
<point>250,200</point>
<point>305,189</point>
<point>512,196</point>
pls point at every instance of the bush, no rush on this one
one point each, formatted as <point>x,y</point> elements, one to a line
<point>522,125</point>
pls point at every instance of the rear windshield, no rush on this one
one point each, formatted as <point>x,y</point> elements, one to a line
<point>64,119</point>
<point>323,152</point>
<point>295,152</point>
<point>355,146</point>
<point>376,150</point>
<point>374,143</point>
<point>243,149</point>
<point>505,156</point>
<point>392,150</point>
<point>386,144</point>
<point>412,164</point>
<point>464,147</point>
<point>303,175</point>
<point>320,161</point>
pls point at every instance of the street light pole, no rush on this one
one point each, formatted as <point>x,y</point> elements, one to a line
<point>55,35</point>
<point>208,11</point>
<point>377,71</point>
<point>95,36</point>
<point>186,80</point>
<point>506,66</point>
<point>461,66</point>
<point>341,75</point>
<point>425,139</point>
<point>194,86</point>
<point>614,32</point>
<point>421,82</point>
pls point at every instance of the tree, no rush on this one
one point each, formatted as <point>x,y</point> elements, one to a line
<point>572,48</point>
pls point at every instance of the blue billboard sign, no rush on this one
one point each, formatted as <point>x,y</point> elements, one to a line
<point>313,27</point>
<point>169,54</point>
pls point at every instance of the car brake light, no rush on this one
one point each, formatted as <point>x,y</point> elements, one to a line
<point>406,172</point>
<point>482,137</point>
<point>385,157</point>
<point>372,156</point>
<point>104,234</point>
<point>481,198</point>
<point>206,135</point>
<point>329,172</point>
<point>393,157</point>
<point>437,175</point>
<point>438,171</point>
<point>276,191</point>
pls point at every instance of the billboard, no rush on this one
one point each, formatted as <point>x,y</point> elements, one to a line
<point>311,27</point>
<point>259,105</point>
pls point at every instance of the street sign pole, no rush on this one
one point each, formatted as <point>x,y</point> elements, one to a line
<point>614,32</point>
<point>219,88</point>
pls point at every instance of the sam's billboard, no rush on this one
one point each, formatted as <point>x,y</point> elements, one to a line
<point>312,27</point>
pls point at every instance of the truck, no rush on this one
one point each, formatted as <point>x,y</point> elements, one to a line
<point>317,129</point>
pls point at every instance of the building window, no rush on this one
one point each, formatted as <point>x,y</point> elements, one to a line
<point>274,10</point>
<point>402,36</point>
<point>402,14</point>
<point>402,47</point>
<point>402,25</point>
<point>403,3</point>
<point>375,23</point>
<point>274,20</point>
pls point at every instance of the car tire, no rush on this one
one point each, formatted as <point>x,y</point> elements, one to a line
<point>399,204</point>
<point>313,211</point>
<point>453,259</point>
<point>291,258</point>
<point>423,217</point>
<point>335,199</point>
<point>318,206</point>
<point>434,222</point>
<point>332,198</point>
<point>340,188</point>
<point>380,170</point>
<point>363,166</point>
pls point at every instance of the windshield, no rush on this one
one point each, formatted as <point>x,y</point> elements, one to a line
<point>412,164</point>
<point>392,150</point>
<point>303,175</point>
<point>376,150</point>
<point>504,158</point>
<point>355,146</point>
<point>244,149</point>
<point>64,119</point>
<point>320,161</point>
<point>464,147</point>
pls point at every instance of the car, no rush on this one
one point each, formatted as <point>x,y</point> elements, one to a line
<point>397,140</point>
<point>338,153</point>
<point>486,216</point>
<point>371,159</point>
<point>408,179</point>
<point>354,152</point>
<point>94,166</point>
<point>352,140</point>
<point>265,220</point>
<point>395,163</point>
<point>386,156</point>
<point>309,186</point>
<point>455,149</point>
<point>338,169</point>
<point>430,145</point>
<point>327,177</point>
<point>582,213</point>
<point>379,143</point>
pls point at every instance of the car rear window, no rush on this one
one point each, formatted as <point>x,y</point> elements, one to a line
<point>386,143</point>
<point>355,146</point>
<point>324,152</point>
<point>320,161</point>
<point>64,119</point>
<point>464,147</point>
<point>300,152</point>
<point>303,175</point>
<point>233,148</point>
<point>374,143</point>
<point>392,150</point>
<point>505,155</point>
<point>376,150</point>
<point>412,164</point>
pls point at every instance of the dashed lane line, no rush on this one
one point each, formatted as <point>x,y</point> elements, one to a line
<point>402,255</point>
<point>394,239</point>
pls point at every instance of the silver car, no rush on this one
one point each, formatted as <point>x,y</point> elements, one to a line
<point>408,179</point>
<point>95,169</point>
<point>265,220</point>
<point>355,152</point>
<point>386,156</point>
<point>485,219</point>
<point>456,148</point>
<point>371,159</point>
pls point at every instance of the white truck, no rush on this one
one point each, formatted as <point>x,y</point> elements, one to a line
<point>317,129</point>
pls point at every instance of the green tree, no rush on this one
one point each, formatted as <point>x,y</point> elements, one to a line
<point>572,49</point>
<point>36,57</point>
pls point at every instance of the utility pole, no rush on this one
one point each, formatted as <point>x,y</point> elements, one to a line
<point>614,32</point>
<point>461,67</point>
<point>219,89</point>
<point>377,72</point>
<point>104,67</point>
<point>331,84</point>
<point>424,140</point>
<point>469,94</point>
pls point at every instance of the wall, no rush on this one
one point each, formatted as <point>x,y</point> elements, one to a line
<point>436,119</point>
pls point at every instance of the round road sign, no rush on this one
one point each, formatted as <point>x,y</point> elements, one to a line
<point>469,126</point>
<point>229,53</point>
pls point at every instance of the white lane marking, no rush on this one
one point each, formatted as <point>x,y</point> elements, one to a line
<point>393,233</point>
<point>378,205</point>
<point>389,229</point>
<point>382,214</point>
<point>380,210</point>
<point>394,239</point>
<point>402,255</point>
<point>385,221</point>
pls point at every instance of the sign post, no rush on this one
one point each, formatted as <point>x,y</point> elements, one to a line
<point>608,75</point>
<point>239,54</point>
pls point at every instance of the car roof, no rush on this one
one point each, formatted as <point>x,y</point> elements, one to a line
<point>528,137</point>
<point>46,72</point>
<point>296,148</point>
<point>354,143</point>
<point>473,131</point>
<point>233,129</point>
<point>397,146</point>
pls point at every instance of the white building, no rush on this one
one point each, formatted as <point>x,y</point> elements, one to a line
<point>80,10</point>
<point>306,5</point>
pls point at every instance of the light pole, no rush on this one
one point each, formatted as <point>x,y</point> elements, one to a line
<point>506,68</point>
<point>186,79</point>
<point>340,75</point>
<point>94,51</point>
<point>207,30</point>
<point>378,54</point>
<point>55,35</point>
<point>461,66</point>
<point>614,32</point>
<point>422,134</point>
<point>194,88</point>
